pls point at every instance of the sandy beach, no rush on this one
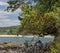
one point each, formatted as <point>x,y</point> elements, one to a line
<point>47,36</point>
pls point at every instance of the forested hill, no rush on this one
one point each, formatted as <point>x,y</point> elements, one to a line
<point>9,27</point>
<point>8,30</point>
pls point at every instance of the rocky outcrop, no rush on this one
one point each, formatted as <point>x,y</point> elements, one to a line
<point>37,47</point>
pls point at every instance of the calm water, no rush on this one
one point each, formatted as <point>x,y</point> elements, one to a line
<point>23,39</point>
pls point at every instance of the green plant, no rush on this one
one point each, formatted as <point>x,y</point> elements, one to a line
<point>26,44</point>
<point>55,47</point>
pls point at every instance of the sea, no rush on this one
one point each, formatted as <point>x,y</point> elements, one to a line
<point>24,39</point>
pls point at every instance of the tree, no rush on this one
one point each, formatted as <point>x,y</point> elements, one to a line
<point>50,25</point>
<point>33,20</point>
<point>10,32</point>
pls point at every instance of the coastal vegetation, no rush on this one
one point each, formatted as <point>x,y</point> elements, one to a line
<point>8,30</point>
<point>38,17</point>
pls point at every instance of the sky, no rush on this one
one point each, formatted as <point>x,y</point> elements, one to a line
<point>8,18</point>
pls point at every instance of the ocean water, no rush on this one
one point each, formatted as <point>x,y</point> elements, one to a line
<point>23,39</point>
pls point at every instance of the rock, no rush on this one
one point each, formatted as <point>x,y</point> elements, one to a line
<point>13,47</point>
<point>3,51</point>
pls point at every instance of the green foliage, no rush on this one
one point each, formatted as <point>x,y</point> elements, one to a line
<point>50,25</point>
<point>14,4</point>
<point>26,44</point>
<point>34,23</point>
<point>5,30</point>
<point>34,20</point>
<point>43,5</point>
<point>11,32</point>
<point>55,48</point>
<point>47,5</point>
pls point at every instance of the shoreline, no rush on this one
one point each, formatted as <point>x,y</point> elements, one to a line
<point>14,36</point>
<point>47,36</point>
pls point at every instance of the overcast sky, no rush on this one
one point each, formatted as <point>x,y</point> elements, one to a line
<point>8,18</point>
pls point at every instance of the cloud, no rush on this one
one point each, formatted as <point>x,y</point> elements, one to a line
<point>8,18</point>
<point>3,3</point>
<point>4,0</point>
<point>3,15</point>
<point>5,19</point>
<point>8,22</point>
